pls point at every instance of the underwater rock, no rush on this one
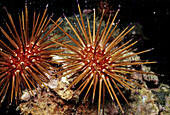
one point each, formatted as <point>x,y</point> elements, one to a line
<point>50,103</point>
<point>149,77</point>
<point>57,102</point>
<point>166,108</point>
<point>26,95</point>
<point>44,103</point>
<point>143,104</point>
<point>111,109</point>
<point>163,98</point>
<point>62,91</point>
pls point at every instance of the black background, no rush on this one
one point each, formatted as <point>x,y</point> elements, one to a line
<point>153,15</point>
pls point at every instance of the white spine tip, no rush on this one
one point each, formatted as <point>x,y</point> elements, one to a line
<point>103,76</point>
<point>89,67</point>
<point>83,64</point>
<point>119,6</point>
<point>33,60</point>
<point>152,49</point>
<point>11,61</point>
<point>19,58</point>
<point>47,6</point>
<point>103,70</point>
<point>17,70</point>
<point>13,66</point>
<point>22,63</point>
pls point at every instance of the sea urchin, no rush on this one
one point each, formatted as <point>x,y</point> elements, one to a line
<point>25,58</point>
<point>98,61</point>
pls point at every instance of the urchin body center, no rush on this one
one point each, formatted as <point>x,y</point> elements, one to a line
<point>92,57</point>
<point>24,58</point>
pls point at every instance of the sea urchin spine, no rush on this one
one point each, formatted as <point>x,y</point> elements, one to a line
<point>100,62</point>
<point>26,60</point>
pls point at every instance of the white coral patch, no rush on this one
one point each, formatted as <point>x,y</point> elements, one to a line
<point>56,58</point>
<point>64,80</point>
<point>52,84</point>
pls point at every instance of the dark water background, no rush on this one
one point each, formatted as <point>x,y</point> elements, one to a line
<point>153,15</point>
